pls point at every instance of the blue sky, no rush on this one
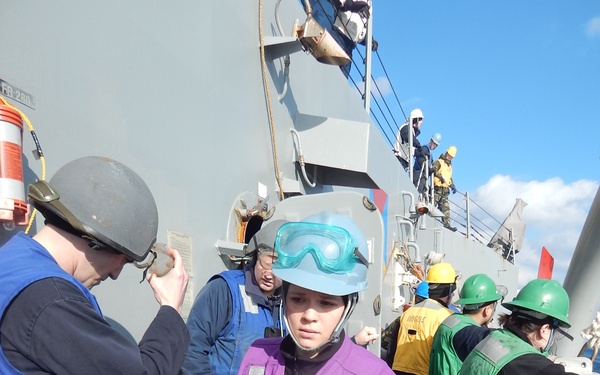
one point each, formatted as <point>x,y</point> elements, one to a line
<point>515,86</point>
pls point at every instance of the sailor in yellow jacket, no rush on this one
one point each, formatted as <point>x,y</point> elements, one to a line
<point>443,183</point>
<point>419,323</point>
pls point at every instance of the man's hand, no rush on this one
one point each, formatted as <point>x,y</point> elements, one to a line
<point>374,45</point>
<point>366,335</point>
<point>170,289</point>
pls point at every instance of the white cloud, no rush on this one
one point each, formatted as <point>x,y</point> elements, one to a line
<point>383,85</point>
<point>554,216</point>
<point>592,28</point>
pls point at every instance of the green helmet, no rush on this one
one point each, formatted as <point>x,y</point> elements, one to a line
<point>546,297</point>
<point>478,290</point>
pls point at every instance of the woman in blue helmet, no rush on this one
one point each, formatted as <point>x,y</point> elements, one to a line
<point>322,262</point>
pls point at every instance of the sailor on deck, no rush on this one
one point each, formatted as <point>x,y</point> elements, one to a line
<point>460,333</point>
<point>100,215</point>
<point>403,138</point>
<point>235,308</point>
<point>419,323</point>
<point>539,311</point>
<point>423,163</point>
<point>443,183</point>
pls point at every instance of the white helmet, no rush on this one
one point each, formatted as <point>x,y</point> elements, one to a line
<point>416,113</point>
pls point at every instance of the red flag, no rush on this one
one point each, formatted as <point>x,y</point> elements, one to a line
<point>546,265</point>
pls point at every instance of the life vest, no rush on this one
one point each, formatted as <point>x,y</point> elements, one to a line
<point>445,171</point>
<point>444,359</point>
<point>401,148</point>
<point>417,328</point>
<point>494,352</point>
<point>18,256</point>
<point>248,323</point>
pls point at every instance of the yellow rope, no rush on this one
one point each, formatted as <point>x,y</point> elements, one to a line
<point>389,261</point>
<point>408,263</point>
<point>268,94</point>
<point>42,158</point>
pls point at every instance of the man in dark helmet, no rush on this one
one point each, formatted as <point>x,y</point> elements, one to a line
<point>99,215</point>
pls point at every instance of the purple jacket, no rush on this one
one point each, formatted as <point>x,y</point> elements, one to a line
<point>264,354</point>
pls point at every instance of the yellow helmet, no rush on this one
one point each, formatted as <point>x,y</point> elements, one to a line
<point>441,273</point>
<point>451,151</point>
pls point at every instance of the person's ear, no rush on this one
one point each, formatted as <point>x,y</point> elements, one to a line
<point>543,328</point>
<point>488,311</point>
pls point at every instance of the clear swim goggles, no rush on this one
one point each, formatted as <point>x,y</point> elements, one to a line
<point>333,248</point>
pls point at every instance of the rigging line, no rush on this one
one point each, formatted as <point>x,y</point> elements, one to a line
<point>378,106</point>
<point>268,94</point>
<point>486,232</point>
<point>388,108</point>
<point>472,215</point>
<point>485,212</point>
<point>475,218</point>
<point>362,95</point>
<point>473,225</point>
<point>385,102</point>
<point>373,113</point>
<point>378,123</point>
<point>380,127</point>
<point>383,131</point>
<point>478,240</point>
<point>392,86</point>
<point>476,231</point>
<point>458,216</point>
<point>374,99</point>
<point>483,224</point>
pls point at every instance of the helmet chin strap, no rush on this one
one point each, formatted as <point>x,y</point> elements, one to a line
<point>335,335</point>
<point>549,342</point>
<point>352,301</point>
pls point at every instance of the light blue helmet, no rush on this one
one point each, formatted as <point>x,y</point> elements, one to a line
<point>325,252</point>
<point>422,289</point>
<point>436,138</point>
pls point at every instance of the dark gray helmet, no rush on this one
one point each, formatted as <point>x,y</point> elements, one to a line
<point>104,200</point>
